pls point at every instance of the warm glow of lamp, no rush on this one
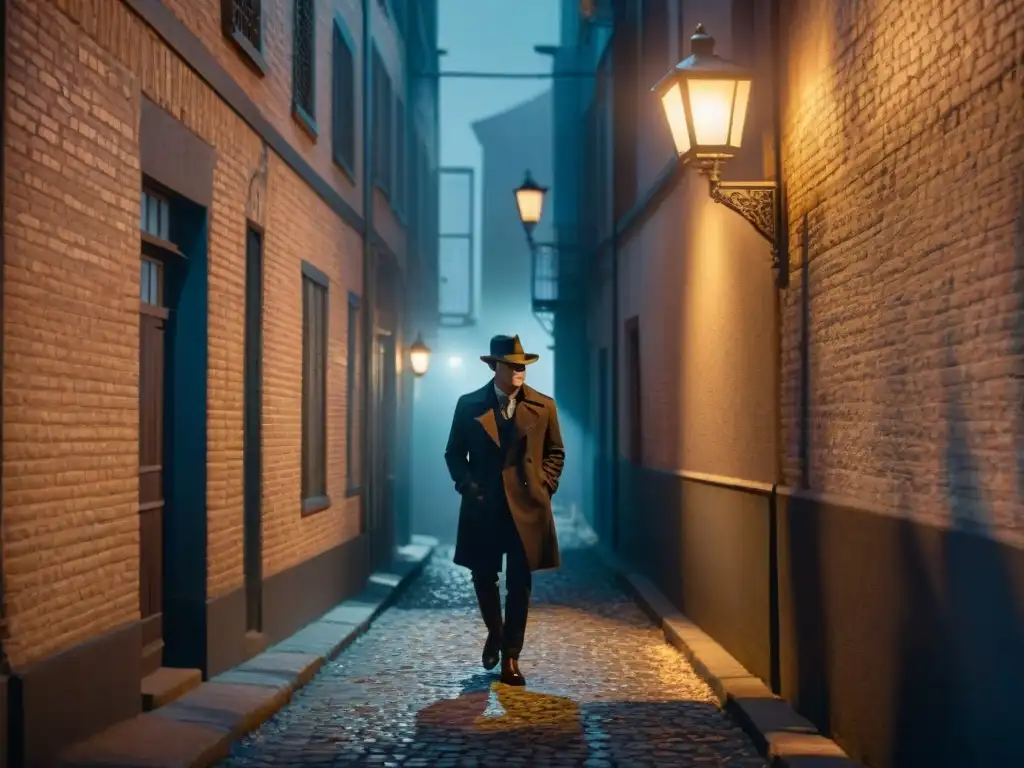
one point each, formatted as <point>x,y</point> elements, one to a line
<point>705,101</point>
<point>672,102</point>
<point>419,357</point>
<point>530,201</point>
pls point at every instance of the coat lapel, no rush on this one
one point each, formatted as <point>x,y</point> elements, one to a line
<point>488,402</point>
<point>527,413</point>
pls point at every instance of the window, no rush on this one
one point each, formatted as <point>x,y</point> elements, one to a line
<point>353,399</point>
<point>303,81</point>
<point>382,134</point>
<point>151,284</point>
<point>155,215</point>
<point>625,61</point>
<point>314,389</point>
<point>242,21</point>
<point>343,115</point>
<point>399,193</point>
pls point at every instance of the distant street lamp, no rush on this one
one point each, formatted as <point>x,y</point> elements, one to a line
<point>419,357</point>
<point>705,100</point>
<point>530,201</point>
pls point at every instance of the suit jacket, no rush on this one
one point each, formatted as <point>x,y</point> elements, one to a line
<point>518,477</point>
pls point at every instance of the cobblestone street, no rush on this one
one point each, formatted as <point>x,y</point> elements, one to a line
<point>603,687</point>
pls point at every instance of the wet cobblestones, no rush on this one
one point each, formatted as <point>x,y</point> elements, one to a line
<point>604,689</point>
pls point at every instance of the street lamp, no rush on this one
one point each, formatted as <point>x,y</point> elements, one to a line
<point>530,201</point>
<point>419,357</point>
<point>705,101</point>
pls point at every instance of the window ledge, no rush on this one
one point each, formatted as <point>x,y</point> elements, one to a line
<point>250,54</point>
<point>315,504</point>
<point>161,247</point>
<point>305,121</point>
<point>353,490</point>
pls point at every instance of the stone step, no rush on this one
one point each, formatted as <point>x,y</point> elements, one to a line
<point>167,684</point>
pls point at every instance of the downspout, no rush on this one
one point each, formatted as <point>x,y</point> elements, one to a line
<point>4,665</point>
<point>368,479</point>
<point>782,278</point>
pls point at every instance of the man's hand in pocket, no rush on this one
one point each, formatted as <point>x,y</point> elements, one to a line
<point>472,492</point>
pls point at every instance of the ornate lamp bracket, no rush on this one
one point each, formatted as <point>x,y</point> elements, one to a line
<point>755,201</point>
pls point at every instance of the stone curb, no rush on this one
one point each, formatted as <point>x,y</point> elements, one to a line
<point>199,729</point>
<point>785,738</point>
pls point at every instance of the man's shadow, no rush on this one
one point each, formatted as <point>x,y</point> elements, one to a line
<point>502,719</point>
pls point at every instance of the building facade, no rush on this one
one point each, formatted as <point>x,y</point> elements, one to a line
<point>821,466</point>
<point>214,217</point>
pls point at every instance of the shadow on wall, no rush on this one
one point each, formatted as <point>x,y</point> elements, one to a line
<point>962,660</point>
<point>810,685</point>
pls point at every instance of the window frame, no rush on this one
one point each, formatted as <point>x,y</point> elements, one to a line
<point>383,130</point>
<point>304,115</point>
<point>398,170</point>
<point>313,502</point>
<point>253,55</point>
<point>354,320</point>
<point>341,34</point>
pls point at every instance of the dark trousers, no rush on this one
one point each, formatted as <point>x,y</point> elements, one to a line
<point>518,586</point>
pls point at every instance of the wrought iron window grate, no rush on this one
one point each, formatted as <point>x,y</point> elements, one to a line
<point>243,23</point>
<point>302,57</point>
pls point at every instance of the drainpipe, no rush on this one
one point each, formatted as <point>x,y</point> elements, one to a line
<point>782,243</point>
<point>368,303</point>
<point>4,666</point>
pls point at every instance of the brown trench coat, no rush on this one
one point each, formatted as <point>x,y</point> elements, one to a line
<point>525,476</point>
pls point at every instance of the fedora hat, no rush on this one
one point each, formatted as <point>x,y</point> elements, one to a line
<point>508,349</point>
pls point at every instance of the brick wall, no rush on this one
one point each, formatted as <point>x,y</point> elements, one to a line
<point>904,146</point>
<point>71,336</point>
<point>294,235</point>
<point>273,90</point>
<point>76,72</point>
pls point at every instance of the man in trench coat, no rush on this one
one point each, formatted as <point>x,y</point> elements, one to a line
<point>505,455</point>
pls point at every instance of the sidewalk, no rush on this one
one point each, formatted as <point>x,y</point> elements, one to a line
<point>786,739</point>
<point>198,729</point>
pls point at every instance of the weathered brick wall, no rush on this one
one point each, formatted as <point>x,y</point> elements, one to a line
<point>904,146</point>
<point>71,336</point>
<point>273,89</point>
<point>323,240</point>
<point>76,72</point>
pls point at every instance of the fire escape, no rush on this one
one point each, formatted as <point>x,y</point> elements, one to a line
<point>544,270</point>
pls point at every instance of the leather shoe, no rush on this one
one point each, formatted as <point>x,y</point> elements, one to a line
<point>491,648</point>
<point>510,674</point>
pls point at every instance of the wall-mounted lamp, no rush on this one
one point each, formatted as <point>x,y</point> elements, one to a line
<point>419,357</point>
<point>705,99</point>
<point>530,202</point>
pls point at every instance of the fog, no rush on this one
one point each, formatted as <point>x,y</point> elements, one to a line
<point>456,369</point>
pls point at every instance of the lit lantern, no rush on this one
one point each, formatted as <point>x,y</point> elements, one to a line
<point>705,100</point>
<point>419,357</point>
<point>530,201</point>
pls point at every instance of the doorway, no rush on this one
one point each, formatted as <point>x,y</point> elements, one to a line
<point>153,316</point>
<point>252,452</point>
<point>602,476</point>
<point>385,410</point>
<point>634,399</point>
